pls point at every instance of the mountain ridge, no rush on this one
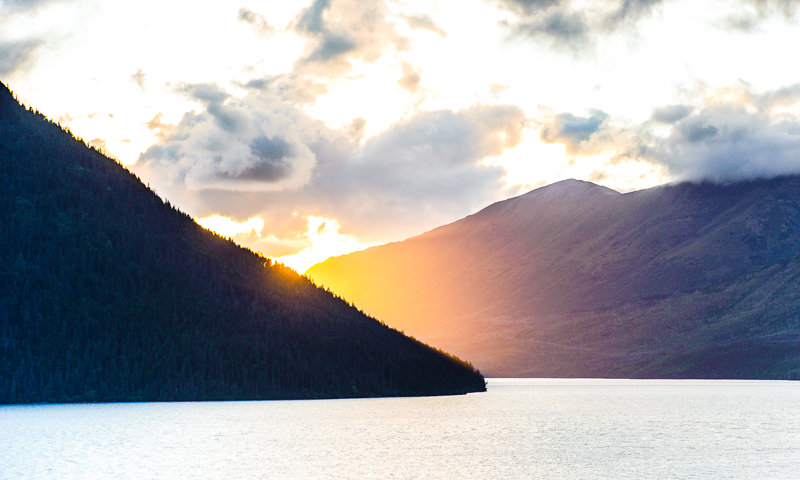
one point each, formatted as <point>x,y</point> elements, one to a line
<point>115,295</point>
<point>579,268</point>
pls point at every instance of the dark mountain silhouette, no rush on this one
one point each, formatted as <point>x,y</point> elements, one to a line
<point>574,279</point>
<point>110,294</point>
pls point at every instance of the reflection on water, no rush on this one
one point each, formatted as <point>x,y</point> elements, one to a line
<point>520,428</point>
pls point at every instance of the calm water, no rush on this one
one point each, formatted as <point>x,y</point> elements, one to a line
<point>518,429</point>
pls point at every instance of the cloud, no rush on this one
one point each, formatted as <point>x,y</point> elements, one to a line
<point>421,171</point>
<point>630,11</point>
<point>424,22</point>
<point>566,28</point>
<point>527,7</point>
<point>139,78</point>
<point>339,31</point>
<point>14,54</point>
<point>258,22</point>
<point>754,13</point>
<point>738,136</point>
<point>8,7</point>
<point>411,78</point>
<point>549,21</point>
<point>571,25</point>
<point>232,145</point>
<point>261,156</point>
<point>781,97</point>
<point>725,143</point>
<point>671,113</point>
<point>731,134</point>
<point>572,131</point>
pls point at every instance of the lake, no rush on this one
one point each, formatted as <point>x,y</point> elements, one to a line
<point>519,428</point>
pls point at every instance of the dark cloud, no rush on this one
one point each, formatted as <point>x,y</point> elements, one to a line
<point>15,54</point>
<point>258,22</point>
<point>569,26</point>
<point>566,28</point>
<point>696,129</point>
<point>671,113</point>
<point>727,143</point>
<point>271,160</point>
<point>274,148</point>
<point>572,131</point>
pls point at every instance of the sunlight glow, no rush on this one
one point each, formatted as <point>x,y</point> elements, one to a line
<point>228,227</point>
<point>324,241</point>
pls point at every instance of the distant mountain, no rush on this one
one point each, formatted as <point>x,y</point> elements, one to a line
<point>577,280</point>
<point>110,294</point>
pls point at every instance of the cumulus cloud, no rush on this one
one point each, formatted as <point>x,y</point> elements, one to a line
<point>437,154</point>
<point>571,130</point>
<point>233,145</point>
<point>259,155</point>
<point>737,136</point>
<point>419,173</point>
<point>727,143</point>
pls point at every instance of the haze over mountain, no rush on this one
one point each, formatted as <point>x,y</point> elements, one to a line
<point>111,294</point>
<point>577,280</point>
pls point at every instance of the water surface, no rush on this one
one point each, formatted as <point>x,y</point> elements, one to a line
<point>532,428</point>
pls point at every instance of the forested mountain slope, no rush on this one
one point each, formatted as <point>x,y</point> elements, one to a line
<point>574,279</point>
<point>110,294</point>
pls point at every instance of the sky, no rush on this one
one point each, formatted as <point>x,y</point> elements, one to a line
<point>305,130</point>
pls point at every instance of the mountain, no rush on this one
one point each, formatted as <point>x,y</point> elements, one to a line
<point>111,294</point>
<point>577,280</point>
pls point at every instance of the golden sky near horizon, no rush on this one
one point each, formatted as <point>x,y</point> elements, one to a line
<point>310,129</point>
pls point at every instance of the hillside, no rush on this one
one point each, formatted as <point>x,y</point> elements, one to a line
<point>577,280</point>
<point>111,294</point>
